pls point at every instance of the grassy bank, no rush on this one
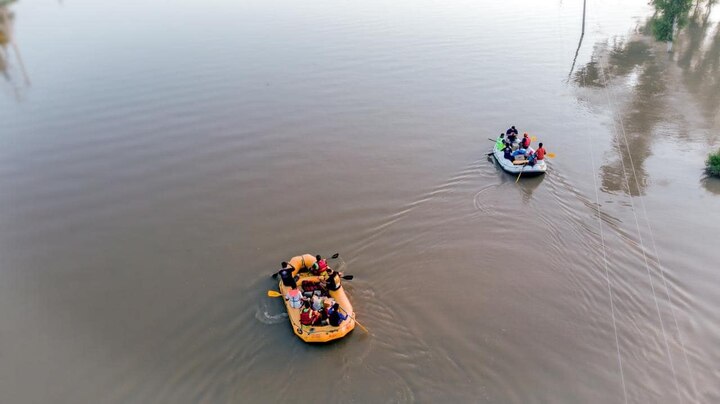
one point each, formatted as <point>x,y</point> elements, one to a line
<point>713,164</point>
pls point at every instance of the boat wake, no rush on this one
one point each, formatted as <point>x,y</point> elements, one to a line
<point>262,315</point>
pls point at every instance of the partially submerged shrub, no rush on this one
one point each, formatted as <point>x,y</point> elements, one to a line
<point>713,164</point>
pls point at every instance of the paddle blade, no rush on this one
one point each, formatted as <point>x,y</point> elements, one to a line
<point>348,277</point>
<point>533,138</point>
<point>274,276</point>
<point>272,293</point>
<point>550,155</point>
<point>335,255</point>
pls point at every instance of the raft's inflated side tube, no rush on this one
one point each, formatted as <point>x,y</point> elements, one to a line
<point>300,262</point>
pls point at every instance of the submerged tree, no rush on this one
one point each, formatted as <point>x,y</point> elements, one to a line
<point>713,164</point>
<point>669,15</point>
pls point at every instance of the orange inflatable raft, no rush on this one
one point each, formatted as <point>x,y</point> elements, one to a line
<point>317,333</point>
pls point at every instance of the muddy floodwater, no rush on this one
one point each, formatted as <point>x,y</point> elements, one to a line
<point>158,160</point>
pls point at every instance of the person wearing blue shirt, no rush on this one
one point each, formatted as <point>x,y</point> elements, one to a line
<point>335,316</point>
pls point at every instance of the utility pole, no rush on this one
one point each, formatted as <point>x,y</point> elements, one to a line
<point>582,34</point>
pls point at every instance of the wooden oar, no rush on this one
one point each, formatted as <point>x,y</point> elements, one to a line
<point>356,322</point>
<point>521,171</point>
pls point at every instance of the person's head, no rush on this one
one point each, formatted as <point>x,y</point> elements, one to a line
<point>540,144</point>
<point>318,257</point>
<point>306,304</point>
<point>336,306</point>
<point>502,135</point>
<point>525,134</point>
<point>513,126</point>
<point>293,287</point>
<point>284,264</point>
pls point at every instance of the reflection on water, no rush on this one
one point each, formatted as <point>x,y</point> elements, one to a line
<point>638,78</point>
<point>9,51</point>
<point>711,185</point>
<point>698,55</point>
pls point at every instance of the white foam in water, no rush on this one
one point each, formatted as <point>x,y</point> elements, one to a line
<point>266,318</point>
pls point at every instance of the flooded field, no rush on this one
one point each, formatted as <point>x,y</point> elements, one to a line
<point>158,160</point>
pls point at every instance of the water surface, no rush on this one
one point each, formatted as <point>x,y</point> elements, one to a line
<point>159,160</point>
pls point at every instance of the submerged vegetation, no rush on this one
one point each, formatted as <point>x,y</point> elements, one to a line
<point>667,14</point>
<point>713,164</point>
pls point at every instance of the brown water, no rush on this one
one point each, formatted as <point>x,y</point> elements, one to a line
<point>159,159</point>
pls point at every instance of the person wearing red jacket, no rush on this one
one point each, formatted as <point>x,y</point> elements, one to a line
<point>308,316</point>
<point>525,141</point>
<point>540,152</point>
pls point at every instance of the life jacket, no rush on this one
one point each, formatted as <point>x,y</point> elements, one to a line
<point>540,153</point>
<point>310,286</point>
<point>319,268</point>
<point>306,317</point>
<point>526,142</point>
<point>295,298</point>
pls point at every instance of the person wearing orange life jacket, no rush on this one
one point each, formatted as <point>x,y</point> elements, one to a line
<point>294,297</point>
<point>308,316</point>
<point>540,152</point>
<point>525,143</point>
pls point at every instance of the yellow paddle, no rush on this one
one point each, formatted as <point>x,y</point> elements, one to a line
<point>272,293</point>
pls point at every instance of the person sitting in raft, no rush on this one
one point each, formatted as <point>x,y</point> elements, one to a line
<point>532,159</point>
<point>508,153</point>
<point>286,274</point>
<point>525,141</point>
<point>308,316</point>
<point>540,152</point>
<point>317,303</point>
<point>294,297</point>
<point>319,267</point>
<point>511,131</point>
<point>331,279</point>
<point>335,316</point>
<point>512,138</point>
<point>327,305</point>
<point>500,142</point>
